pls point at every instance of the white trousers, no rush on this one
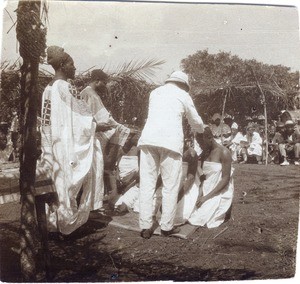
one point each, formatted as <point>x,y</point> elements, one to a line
<point>155,160</point>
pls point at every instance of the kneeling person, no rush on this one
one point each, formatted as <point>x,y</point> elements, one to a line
<point>209,200</point>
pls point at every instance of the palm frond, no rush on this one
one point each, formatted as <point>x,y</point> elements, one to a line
<point>86,71</point>
<point>45,12</point>
<point>138,69</point>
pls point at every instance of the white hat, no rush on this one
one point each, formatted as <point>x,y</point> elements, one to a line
<point>289,122</point>
<point>234,126</point>
<point>216,116</point>
<point>179,76</point>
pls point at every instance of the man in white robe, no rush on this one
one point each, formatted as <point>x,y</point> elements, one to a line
<point>70,151</point>
<point>253,146</point>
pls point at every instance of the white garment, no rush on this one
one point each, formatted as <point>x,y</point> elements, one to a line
<point>234,125</point>
<point>235,146</point>
<point>127,166</point>
<point>131,197</point>
<point>72,154</point>
<point>15,124</point>
<point>6,152</point>
<point>117,135</point>
<point>212,212</point>
<point>155,160</point>
<point>255,147</point>
<point>167,105</point>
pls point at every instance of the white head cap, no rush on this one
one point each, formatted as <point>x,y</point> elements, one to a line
<point>216,116</point>
<point>289,122</point>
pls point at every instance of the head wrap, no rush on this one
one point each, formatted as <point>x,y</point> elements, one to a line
<point>56,55</point>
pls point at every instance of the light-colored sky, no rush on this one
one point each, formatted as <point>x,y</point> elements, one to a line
<point>111,33</point>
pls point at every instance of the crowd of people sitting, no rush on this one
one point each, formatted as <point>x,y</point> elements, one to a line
<point>9,139</point>
<point>248,143</point>
<point>98,164</point>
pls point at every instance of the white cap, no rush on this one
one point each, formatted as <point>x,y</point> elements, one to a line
<point>216,116</point>
<point>179,76</point>
<point>289,122</point>
<point>234,126</point>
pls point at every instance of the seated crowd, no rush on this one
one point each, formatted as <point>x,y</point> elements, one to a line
<point>248,143</point>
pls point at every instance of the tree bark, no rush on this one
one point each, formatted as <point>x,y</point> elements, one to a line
<point>29,237</point>
<point>31,38</point>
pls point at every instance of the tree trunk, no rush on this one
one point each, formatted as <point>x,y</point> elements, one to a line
<point>32,45</point>
<point>29,242</point>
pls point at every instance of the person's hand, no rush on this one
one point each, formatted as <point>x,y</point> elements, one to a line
<point>134,131</point>
<point>188,183</point>
<point>103,127</point>
<point>200,201</point>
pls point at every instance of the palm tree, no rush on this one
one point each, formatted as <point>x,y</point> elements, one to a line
<point>32,39</point>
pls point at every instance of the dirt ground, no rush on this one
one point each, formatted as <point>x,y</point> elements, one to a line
<point>258,242</point>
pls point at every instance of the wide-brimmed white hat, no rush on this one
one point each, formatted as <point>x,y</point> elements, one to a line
<point>179,76</point>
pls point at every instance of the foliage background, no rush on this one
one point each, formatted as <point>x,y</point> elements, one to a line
<point>212,76</point>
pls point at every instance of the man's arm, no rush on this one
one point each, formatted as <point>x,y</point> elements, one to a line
<point>296,138</point>
<point>226,173</point>
<point>100,114</point>
<point>190,156</point>
<point>192,116</point>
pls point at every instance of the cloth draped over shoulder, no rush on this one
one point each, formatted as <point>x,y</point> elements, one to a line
<point>211,213</point>
<point>73,155</point>
<point>119,133</point>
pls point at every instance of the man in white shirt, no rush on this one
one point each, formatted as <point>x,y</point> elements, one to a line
<point>111,134</point>
<point>161,146</point>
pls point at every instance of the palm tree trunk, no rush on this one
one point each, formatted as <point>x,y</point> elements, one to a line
<point>32,45</point>
<point>29,237</point>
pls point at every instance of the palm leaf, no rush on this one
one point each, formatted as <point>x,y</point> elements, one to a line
<point>45,12</point>
<point>138,69</point>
